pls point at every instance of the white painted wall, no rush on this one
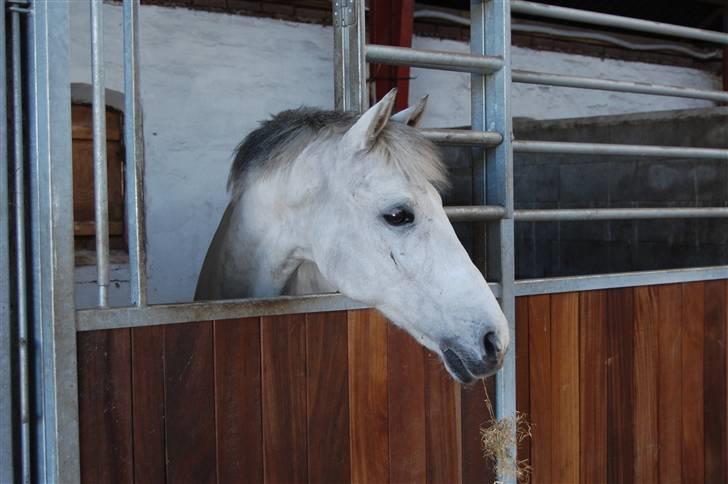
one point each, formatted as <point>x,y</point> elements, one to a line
<point>208,78</point>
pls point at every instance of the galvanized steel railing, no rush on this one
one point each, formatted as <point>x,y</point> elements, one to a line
<point>54,317</point>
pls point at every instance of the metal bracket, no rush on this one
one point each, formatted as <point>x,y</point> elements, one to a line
<point>20,6</point>
<point>344,13</point>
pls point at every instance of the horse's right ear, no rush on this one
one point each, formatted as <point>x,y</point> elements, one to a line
<point>363,134</point>
<point>412,116</point>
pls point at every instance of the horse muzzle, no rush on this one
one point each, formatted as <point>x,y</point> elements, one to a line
<point>467,366</point>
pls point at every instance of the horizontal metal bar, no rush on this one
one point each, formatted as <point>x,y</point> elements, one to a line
<point>616,21</point>
<point>562,215</point>
<point>154,315</point>
<point>527,287</point>
<point>475,213</point>
<point>564,147</point>
<point>93,319</point>
<point>528,77</point>
<point>433,59</point>
<point>462,137</point>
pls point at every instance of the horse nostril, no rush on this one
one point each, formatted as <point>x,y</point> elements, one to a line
<point>492,346</point>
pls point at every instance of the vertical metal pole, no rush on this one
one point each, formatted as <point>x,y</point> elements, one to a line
<point>491,35</point>
<point>350,78</point>
<point>134,161</point>
<point>21,282</point>
<point>54,312</point>
<point>6,381</point>
<point>101,192</point>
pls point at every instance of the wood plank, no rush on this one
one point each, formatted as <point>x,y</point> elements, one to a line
<point>82,122</point>
<point>669,383</point>
<point>593,385</point>
<point>238,422</point>
<point>83,195</point>
<point>693,435</point>
<point>104,382</point>
<point>368,408</point>
<point>407,433</point>
<point>327,385</point>
<point>148,407</point>
<point>189,402</point>
<point>539,331</point>
<point>283,355</point>
<point>89,228</point>
<point>565,387</point>
<point>475,416</point>
<point>715,382</point>
<point>646,437</point>
<point>442,407</point>
<point>523,394</point>
<point>620,385</point>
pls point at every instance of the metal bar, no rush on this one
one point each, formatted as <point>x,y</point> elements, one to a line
<point>490,35</point>
<point>56,450</point>
<point>541,78</point>
<point>93,319</point>
<point>563,147</point>
<point>101,190</point>
<point>21,282</point>
<point>101,209</point>
<point>433,59</point>
<point>350,92</point>
<point>554,215</point>
<point>156,314</point>
<point>616,21</point>
<point>476,213</point>
<point>134,157</point>
<point>7,447</point>
<point>462,137</point>
<point>528,287</point>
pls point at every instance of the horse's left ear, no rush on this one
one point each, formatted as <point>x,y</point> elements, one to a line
<point>412,116</point>
<point>363,134</point>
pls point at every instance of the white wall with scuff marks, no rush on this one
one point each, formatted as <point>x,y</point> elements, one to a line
<point>208,78</point>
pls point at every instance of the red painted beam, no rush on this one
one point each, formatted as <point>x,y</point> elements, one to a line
<point>391,24</point>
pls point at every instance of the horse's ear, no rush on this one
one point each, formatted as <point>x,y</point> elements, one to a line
<point>412,116</point>
<point>363,134</point>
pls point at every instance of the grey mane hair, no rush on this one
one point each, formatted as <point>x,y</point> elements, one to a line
<point>281,139</point>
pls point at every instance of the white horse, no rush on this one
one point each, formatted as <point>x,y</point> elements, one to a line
<point>326,201</point>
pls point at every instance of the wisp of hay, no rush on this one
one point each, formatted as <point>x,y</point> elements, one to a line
<point>499,437</point>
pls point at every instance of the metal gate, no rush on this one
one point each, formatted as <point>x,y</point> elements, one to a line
<point>38,319</point>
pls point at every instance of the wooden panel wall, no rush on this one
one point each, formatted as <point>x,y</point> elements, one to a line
<point>328,397</point>
<point>624,385</point>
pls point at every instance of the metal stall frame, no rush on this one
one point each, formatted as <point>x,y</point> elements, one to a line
<point>55,320</point>
<point>7,451</point>
<point>56,448</point>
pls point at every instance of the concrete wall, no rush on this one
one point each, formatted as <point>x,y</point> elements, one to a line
<point>208,78</point>
<point>581,181</point>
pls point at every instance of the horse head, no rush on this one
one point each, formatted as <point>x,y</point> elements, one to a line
<point>382,237</point>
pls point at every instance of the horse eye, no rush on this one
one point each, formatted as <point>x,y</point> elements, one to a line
<point>399,216</point>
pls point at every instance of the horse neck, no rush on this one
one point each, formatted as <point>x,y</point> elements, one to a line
<point>253,253</point>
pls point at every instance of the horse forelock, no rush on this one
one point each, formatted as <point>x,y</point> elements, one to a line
<point>278,142</point>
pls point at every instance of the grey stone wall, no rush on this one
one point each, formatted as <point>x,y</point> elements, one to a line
<point>584,181</point>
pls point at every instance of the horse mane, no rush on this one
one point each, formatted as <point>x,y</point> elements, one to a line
<point>278,141</point>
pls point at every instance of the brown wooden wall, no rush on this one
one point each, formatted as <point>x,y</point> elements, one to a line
<point>321,397</point>
<point>625,385</point>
